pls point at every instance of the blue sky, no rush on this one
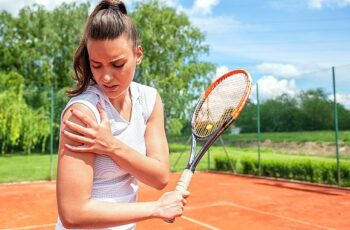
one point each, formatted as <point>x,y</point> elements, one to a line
<point>286,45</point>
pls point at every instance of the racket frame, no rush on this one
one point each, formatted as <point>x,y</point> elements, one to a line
<point>195,158</point>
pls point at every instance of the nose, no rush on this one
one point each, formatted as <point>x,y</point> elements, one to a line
<point>107,77</point>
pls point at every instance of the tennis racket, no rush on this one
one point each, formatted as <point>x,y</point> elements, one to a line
<point>219,107</point>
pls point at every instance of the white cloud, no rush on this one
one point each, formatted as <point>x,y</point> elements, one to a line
<point>280,70</point>
<point>9,5</point>
<point>270,87</point>
<point>343,99</point>
<point>215,25</point>
<point>315,4</point>
<point>204,7</point>
<point>319,4</point>
<point>221,70</point>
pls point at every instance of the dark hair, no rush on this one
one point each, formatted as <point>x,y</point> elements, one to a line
<point>108,21</point>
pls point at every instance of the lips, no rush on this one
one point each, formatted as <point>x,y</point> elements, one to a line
<point>110,87</point>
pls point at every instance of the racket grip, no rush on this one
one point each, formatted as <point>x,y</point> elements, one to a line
<point>184,180</point>
<point>182,185</point>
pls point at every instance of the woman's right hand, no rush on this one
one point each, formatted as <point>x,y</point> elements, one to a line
<point>94,137</point>
<point>171,204</point>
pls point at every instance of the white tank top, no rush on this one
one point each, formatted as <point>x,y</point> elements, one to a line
<point>110,182</point>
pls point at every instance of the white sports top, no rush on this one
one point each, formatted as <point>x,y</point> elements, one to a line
<point>110,182</point>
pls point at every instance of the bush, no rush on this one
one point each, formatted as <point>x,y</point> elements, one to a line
<point>311,169</point>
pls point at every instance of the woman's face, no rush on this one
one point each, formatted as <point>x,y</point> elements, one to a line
<point>113,64</point>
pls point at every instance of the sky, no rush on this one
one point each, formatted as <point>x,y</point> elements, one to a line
<point>286,45</point>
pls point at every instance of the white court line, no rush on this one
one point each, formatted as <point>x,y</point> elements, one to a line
<point>260,212</point>
<point>199,223</point>
<point>29,227</point>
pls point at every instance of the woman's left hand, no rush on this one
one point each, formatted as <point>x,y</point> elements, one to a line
<point>95,138</point>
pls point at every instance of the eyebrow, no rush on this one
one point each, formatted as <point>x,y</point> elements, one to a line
<point>113,60</point>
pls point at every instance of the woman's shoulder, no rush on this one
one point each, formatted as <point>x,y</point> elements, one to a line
<point>145,89</point>
<point>90,94</point>
<point>89,98</point>
<point>146,96</point>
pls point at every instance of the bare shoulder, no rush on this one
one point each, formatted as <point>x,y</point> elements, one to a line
<point>158,111</point>
<point>79,107</point>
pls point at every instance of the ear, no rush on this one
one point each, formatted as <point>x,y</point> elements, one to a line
<point>139,55</point>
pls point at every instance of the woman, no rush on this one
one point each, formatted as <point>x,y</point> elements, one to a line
<point>112,133</point>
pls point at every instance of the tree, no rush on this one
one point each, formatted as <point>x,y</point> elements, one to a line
<point>247,119</point>
<point>172,50</point>
<point>39,44</point>
<point>20,124</point>
<point>317,110</point>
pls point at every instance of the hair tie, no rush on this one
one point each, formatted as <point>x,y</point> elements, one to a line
<point>114,7</point>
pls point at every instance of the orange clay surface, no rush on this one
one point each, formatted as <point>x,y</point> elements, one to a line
<point>217,201</point>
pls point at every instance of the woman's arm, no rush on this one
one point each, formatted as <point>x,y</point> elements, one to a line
<point>74,185</point>
<point>152,170</point>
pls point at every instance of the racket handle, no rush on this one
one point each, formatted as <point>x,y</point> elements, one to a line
<point>182,185</point>
<point>184,180</point>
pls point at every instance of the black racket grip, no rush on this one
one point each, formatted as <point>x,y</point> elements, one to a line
<point>182,185</point>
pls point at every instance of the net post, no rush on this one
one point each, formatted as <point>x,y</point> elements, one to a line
<point>227,156</point>
<point>336,126</point>
<point>173,167</point>
<point>258,126</point>
<point>51,130</point>
<point>208,160</point>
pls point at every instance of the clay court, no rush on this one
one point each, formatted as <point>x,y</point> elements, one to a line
<point>218,201</point>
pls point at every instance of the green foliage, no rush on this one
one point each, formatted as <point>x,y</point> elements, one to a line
<point>39,44</point>
<point>309,111</point>
<point>311,169</point>
<point>20,124</point>
<point>295,137</point>
<point>172,47</point>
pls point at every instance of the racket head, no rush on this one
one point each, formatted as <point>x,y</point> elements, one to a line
<point>221,103</point>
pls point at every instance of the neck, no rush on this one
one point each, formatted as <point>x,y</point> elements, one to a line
<point>123,103</point>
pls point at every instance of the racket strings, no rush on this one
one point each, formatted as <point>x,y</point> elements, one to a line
<point>220,105</point>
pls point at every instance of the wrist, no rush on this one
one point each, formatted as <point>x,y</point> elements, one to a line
<point>155,209</point>
<point>113,148</point>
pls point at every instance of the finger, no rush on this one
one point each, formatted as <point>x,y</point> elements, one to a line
<point>102,112</point>
<point>77,138</point>
<point>78,149</point>
<point>185,194</point>
<point>83,118</point>
<point>79,129</point>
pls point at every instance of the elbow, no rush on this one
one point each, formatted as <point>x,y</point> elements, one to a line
<point>71,219</point>
<point>163,181</point>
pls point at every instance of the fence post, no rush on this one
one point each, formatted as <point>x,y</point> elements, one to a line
<point>336,126</point>
<point>258,125</point>
<point>51,131</point>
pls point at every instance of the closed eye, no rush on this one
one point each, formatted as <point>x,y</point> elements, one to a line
<point>96,66</point>
<point>118,66</point>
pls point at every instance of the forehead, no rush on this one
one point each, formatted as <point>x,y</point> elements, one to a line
<point>109,49</point>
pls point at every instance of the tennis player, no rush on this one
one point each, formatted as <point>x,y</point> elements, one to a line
<point>112,133</point>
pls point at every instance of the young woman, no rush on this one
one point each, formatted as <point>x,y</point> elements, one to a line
<point>112,133</point>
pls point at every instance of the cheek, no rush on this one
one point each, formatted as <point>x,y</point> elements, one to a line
<point>95,73</point>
